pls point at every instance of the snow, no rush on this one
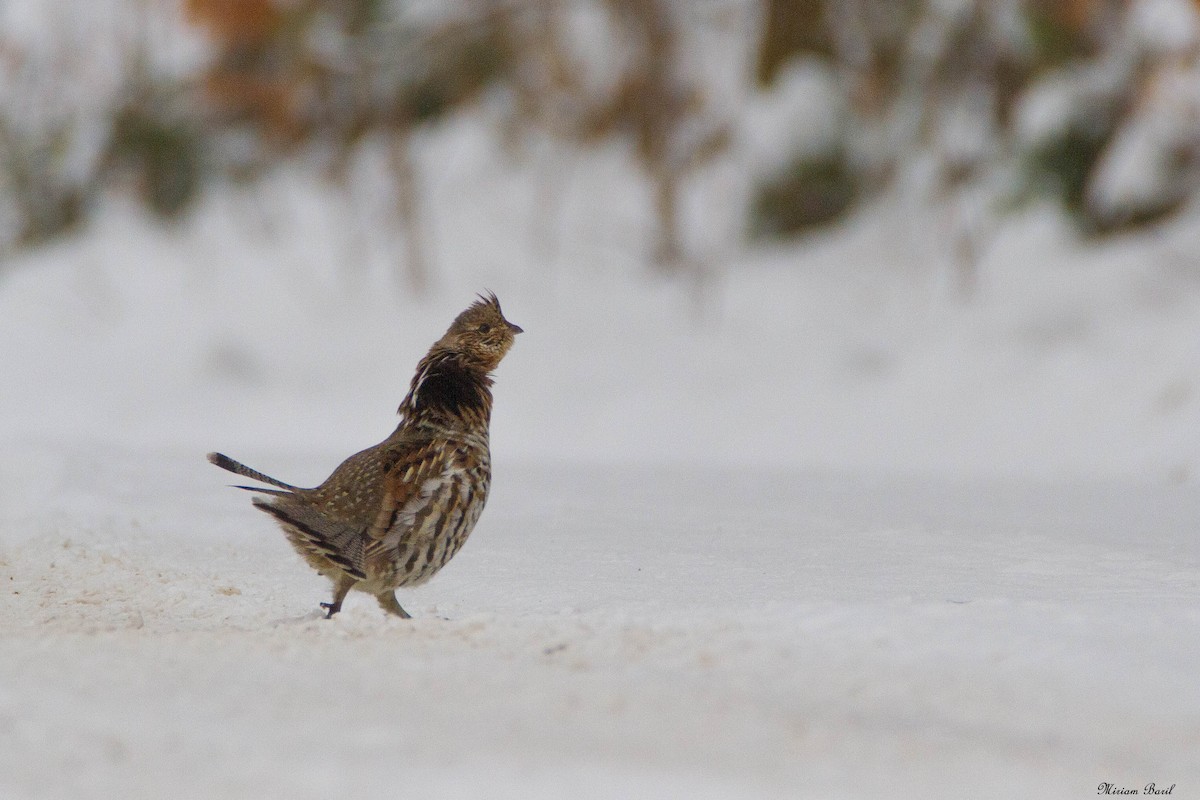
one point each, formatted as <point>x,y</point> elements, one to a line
<point>1169,26</point>
<point>610,632</point>
<point>815,527</point>
<point>1141,167</point>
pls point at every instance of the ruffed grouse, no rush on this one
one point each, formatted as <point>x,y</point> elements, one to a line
<point>394,514</point>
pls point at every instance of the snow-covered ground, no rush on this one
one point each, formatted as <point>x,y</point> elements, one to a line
<point>608,632</point>
<point>818,529</point>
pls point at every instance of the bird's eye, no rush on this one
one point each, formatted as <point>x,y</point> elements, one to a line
<point>484,328</point>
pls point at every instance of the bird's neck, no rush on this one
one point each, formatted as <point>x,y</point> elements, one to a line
<point>447,389</point>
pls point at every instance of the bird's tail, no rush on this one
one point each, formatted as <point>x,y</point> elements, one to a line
<point>225,462</point>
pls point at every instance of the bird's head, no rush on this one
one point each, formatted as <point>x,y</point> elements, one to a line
<point>480,336</point>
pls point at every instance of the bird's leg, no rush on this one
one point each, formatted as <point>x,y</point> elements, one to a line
<point>341,587</point>
<point>388,602</point>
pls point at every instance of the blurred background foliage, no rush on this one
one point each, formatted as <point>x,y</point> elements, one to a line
<point>1091,103</point>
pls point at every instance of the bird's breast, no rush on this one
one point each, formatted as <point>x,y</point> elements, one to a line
<point>440,517</point>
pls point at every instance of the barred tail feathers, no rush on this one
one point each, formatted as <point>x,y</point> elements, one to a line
<point>226,463</point>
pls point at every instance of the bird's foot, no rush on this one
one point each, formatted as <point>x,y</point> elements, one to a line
<point>331,609</point>
<point>387,601</point>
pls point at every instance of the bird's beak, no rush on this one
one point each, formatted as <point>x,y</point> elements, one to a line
<point>514,328</point>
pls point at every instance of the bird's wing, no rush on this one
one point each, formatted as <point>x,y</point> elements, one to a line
<point>413,472</point>
<point>318,534</point>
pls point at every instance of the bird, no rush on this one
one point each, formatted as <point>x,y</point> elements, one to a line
<point>394,514</point>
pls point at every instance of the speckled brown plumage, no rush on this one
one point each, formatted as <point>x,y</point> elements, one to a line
<point>394,514</point>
